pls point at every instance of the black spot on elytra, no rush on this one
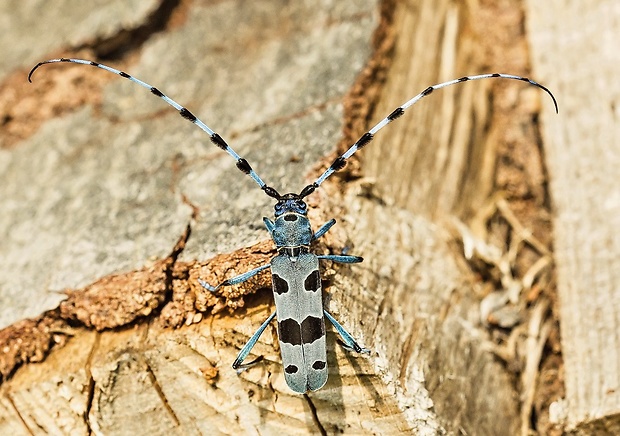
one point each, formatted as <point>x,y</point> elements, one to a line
<point>290,217</point>
<point>289,331</point>
<point>312,328</point>
<point>280,286</point>
<point>313,282</point>
<point>291,369</point>
<point>319,364</point>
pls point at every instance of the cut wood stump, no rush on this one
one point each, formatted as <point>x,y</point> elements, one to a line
<point>113,206</point>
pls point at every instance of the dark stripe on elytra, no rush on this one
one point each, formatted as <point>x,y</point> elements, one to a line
<point>313,281</point>
<point>312,328</point>
<point>289,331</point>
<point>280,286</point>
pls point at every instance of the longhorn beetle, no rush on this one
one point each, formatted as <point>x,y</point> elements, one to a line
<point>295,270</point>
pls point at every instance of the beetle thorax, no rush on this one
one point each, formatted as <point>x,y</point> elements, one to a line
<point>292,230</point>
<point>291,227</point>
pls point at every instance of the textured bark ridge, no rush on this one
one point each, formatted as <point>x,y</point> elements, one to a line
<point>115,206</point>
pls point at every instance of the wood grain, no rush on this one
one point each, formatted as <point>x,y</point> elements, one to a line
<point>575,51</point>
<point>286,83</point>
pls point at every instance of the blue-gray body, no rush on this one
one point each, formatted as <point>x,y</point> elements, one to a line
<point>299,303</point>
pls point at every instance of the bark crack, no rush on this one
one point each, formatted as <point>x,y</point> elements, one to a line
<point>315,416</point>
<point>19,415</point>
<point>129,40</point>
<point>160,392</point>
<point>111,302</point>
<point>91,384</point>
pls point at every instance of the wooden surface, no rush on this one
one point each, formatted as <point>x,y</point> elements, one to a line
<point>119,199</point>
<point>114,196</point>
<point>575,51</point>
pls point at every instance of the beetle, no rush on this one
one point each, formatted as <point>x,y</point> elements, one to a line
<point>296,281</point>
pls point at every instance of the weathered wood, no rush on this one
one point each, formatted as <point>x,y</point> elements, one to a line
<point>575,52</point>
<point>67,24</point>
<point>129,165</point>
<point>132,169</point>
<point>270,77</point>
<point>447,155</point>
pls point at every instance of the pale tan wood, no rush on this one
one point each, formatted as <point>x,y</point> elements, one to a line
<point>148,380</point>
<point>445,156</point>
<point>448,154</point>
<point>141,378</point>
<point>411,301</point>
<point>575,51</point>
<point>101,20</point>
